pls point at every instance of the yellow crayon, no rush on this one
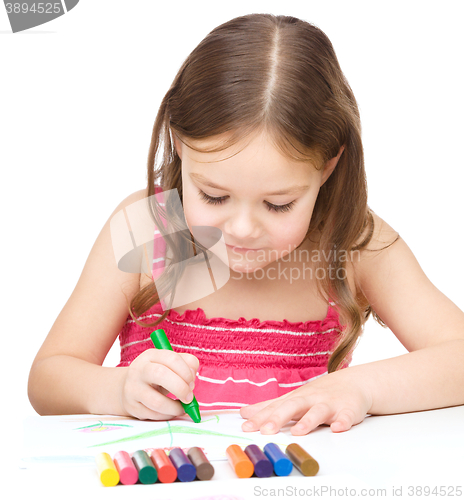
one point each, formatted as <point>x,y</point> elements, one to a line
<point>107,472</point>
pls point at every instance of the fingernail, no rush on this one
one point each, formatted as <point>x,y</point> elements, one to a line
<point>269,427</point>
<point>189,397</point>
<point>192,385</point>
<point>299,427</point>
<point>248,425</point>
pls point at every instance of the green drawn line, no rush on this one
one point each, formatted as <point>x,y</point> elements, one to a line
<point>101,424</point>
<point>209,419</point>
<point>170,432</point>
<point>181,429</point>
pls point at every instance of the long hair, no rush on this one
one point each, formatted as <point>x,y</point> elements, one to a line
<point>277,74</point>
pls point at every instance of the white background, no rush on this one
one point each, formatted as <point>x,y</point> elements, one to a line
<point>78,98</point>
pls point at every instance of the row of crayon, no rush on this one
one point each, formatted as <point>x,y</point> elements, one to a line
<point>252,460</point>
<point>148,469</point>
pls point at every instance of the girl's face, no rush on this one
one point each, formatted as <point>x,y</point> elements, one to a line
<point>260,200</point>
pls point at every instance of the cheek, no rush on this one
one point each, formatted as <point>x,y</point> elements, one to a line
<point>290,238</point>
<point>192,208</point>
<point>196,211</point>
<point>293,232</point>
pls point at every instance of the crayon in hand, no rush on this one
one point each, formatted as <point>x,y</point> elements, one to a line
<point>160,341</point>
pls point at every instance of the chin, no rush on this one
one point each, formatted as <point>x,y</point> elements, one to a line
<point>246,267</point>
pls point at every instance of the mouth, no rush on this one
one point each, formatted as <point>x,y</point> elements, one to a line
<point>242,249</point>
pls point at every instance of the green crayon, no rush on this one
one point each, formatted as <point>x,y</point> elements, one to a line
<point>160,341</point>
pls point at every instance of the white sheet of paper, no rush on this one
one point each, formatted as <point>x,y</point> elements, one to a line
<point>76,439</point>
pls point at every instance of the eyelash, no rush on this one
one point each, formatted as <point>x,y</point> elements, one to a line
<point>270,206</point>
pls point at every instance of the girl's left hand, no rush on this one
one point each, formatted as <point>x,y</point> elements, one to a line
<point>337,399</point>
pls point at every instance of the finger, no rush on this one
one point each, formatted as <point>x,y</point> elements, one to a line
<point>317,415</point>
<point>140,411</point>
<point>344,421</point>
<point>250,410</point>
<point>191,360</point>
<point>159,374</point>
<point>272,418</point>
<point>288,410</point>
<point>257,414</point>
<point>175,361</point>
<point>154,401</point>
<point>161,390</point>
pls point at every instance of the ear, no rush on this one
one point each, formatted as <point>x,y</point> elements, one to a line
<point>176,143</point>
<point>330,166</point>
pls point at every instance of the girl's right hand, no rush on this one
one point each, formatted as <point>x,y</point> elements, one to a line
<point>154,374</point>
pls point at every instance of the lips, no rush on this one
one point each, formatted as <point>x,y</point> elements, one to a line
<point>243,249</point>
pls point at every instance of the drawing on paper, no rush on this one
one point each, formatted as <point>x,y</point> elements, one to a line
<point>101,427</point>
<point>174,429</point>
<point>59,438</point>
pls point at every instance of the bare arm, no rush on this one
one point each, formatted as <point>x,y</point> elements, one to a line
<point>430,376</point>
<point>425,379</point>
<point>63,384</point>
<point>425,321</point>
<point>67,376</point>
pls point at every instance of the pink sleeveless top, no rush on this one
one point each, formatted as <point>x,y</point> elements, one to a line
<point>241,361</point>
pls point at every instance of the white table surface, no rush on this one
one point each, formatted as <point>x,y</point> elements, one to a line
<point>391,456</point>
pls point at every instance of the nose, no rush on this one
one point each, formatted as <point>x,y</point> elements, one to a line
<point>242,226</point>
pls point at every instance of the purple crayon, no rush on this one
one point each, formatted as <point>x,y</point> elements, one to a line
<point>262,465</point>
<point>186,471</point>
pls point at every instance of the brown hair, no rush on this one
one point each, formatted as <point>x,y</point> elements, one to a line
<point>281,75</point>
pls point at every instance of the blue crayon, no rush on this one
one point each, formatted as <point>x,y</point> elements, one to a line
<point>282,465</point>
<point>263,466</point>
<point>186,471</point>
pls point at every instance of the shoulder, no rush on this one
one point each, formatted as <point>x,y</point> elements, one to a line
<point>382,233</point>
<point>98,308</point>
<point>377,248</point>
<point>376,238</point>
<point>131,198</point>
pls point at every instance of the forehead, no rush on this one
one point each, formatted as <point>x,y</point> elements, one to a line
<point>256,149</point>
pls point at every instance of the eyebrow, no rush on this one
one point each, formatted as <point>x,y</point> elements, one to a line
<point>289,190</point>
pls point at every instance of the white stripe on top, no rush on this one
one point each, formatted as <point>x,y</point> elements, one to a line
<point>235,329</point>
<point>223,404</point>
<point>237,351</point>
<point>259,384</point>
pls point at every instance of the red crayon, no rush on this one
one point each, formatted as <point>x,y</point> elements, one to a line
<point>167,473</point>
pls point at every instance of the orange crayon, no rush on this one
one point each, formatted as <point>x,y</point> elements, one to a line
<point>241,464</point>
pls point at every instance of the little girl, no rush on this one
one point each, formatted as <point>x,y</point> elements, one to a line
<point>259,136</point>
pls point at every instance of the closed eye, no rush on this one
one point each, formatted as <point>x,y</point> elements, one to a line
<point>218,201</point>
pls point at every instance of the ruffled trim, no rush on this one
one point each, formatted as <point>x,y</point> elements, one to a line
<point>198,316</point>
<point>226,342</point>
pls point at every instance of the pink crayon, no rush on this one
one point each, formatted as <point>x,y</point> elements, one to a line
<point>127,472</point>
